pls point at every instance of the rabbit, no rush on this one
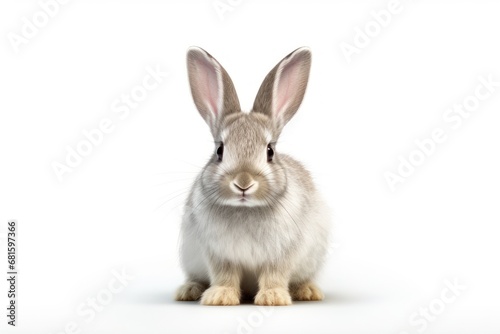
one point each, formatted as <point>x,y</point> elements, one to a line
<point>254,224</point>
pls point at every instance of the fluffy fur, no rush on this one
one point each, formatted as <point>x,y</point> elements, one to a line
<point>253,227</point>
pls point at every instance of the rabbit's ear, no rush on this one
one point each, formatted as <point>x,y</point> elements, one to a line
<point>212,89</point>
<point>283,88</point>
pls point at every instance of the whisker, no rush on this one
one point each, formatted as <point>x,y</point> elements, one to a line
<point>183,192</point>
<point>173,181</point>
<point>212,191</point>
<point>278,201</point>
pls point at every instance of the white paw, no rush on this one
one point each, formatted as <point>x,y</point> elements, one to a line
<point>276,296</point>
<point>221,295</point>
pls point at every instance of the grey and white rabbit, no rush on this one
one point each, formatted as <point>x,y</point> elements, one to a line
<point>254,223</point>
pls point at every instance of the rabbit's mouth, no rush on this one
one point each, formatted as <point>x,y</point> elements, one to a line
<point>244,200</point>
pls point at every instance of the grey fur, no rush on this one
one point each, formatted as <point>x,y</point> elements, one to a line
<point>273,243</point>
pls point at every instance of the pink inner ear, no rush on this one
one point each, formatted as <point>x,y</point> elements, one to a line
<point>207,82</point>
<point>211,87</point>
<point>287,86</point>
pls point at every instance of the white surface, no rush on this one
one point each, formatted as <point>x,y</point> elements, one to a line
<point>121,206</point>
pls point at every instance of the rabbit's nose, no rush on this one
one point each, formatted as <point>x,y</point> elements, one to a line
<point>244,181</point>
<point>243,189</point>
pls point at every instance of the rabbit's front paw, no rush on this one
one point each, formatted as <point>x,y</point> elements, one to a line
<point>221,295</point>
<point>275,296</point>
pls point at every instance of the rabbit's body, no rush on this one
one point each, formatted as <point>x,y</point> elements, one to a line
<point>293,230</point>
<point>254,222</point>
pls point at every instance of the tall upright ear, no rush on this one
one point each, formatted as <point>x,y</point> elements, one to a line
<point>212,89</point>
<point>282,91</point>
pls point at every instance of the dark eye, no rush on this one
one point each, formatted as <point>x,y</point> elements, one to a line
<point>220,152</point>
<point>270,153</point>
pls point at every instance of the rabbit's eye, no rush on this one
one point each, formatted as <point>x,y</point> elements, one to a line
<point>220,152</point>
<point>270,153</point>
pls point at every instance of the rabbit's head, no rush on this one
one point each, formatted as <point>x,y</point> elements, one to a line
<point>245,169</point>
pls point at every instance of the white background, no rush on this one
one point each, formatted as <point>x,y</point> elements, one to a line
<point>121,207</point>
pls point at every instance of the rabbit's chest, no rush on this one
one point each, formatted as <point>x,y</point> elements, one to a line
<point>249,242</point>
